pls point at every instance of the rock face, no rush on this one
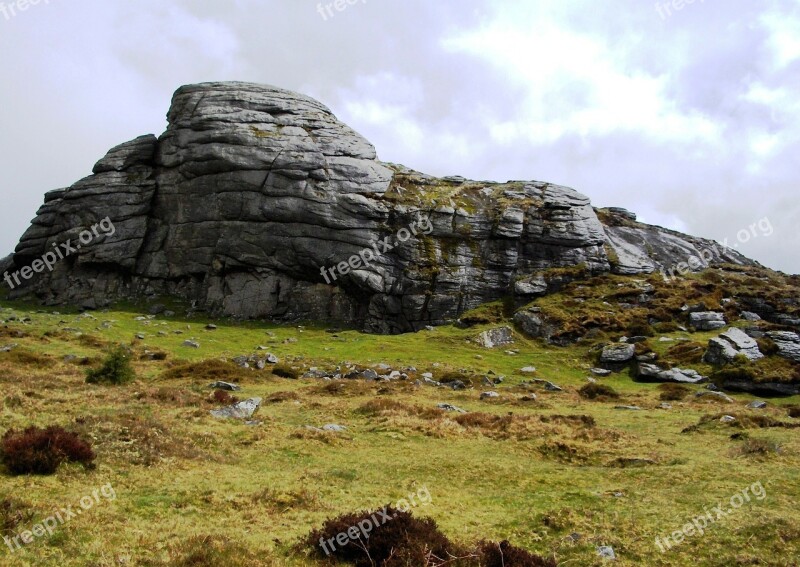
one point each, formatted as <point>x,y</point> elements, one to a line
<point>258,203</point>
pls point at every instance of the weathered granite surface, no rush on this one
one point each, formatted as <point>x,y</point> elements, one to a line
<point>252,190</point>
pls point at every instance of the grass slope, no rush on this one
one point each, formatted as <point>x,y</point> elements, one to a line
<point>195,490</point>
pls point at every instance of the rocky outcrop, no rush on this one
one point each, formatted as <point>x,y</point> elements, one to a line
<point>730,344</point>
<point>258,203</point>
<point>788,344</point>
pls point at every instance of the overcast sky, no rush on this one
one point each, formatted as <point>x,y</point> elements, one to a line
<point>689,117</point>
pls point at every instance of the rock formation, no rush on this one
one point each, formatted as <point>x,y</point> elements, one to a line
<point>253,190</point>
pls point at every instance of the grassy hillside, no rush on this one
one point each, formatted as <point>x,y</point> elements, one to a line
<point>559,476</point>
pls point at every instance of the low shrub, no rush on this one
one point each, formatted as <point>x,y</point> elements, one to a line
<point>224,398</point>
<point>640,327</point>
<point>504,554</point>
<point>673,392</point>
<point>41,451</point>
<point>597,391</point>
<point>285,371</point>
<point>757,447</point>
<point>398,540</point>
<point>116,369</point>
<point>767,346</point>
<point>208,551</point>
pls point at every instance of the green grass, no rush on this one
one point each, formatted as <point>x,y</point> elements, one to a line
<point>179,473</point>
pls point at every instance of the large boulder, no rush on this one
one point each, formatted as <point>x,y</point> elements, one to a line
<point>493,338</point>
<point>618,353</point>
<point>730,344</point>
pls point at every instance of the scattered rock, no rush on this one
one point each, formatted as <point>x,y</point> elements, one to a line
<point>707,320</point>
<point>333,427</point>
<point>618,353</point>
<point>489,395</point>
<point>191,344</point>
<point>549,386</point>
<point>211,327</point>
<point>450,407</point>
<point>750,316</point>
<point>240,410</point>
<point>712,394</point>
<point>528,370</point>
<point>224,386</point>
<point>606,552</point>
<point>757,404</point>
<point>652,373</point>
<point>630,408</point>
<point>600,371</point>
<point>492,338</point>
<point>157,309</point>
<point>727,419</point>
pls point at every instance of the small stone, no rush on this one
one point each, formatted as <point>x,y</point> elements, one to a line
<point>727,419</point>
<point>140,336</point>
<point>191,344</point>
<point>333,427</point>
<point>224,386</point>
<point>528,370</point>
<point>450,407</point>
<point>629,408</point>
<point>488,395</point>
<point>713,394</point>
<point>240,410</point>
<point>600,371</point>
<point>757,404</point>
<point>211,327</point>
<point>606,552</point>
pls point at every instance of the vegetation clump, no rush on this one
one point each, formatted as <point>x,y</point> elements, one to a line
<point>41,451</point>
<point>673,392</point>
<point>116,369</point>
<point>596,391</point>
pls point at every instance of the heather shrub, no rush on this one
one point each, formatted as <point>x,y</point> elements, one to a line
<point>596,391</point>
<point>673,392</point>
<point>41,451</point>
<point>503,554</point>
<point>396,541</point>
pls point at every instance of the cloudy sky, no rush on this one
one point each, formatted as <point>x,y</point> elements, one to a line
<point>689,117</point>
